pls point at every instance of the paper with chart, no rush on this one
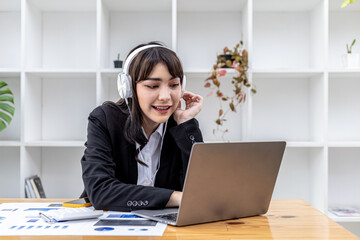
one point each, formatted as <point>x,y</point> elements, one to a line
<point>22,219</point>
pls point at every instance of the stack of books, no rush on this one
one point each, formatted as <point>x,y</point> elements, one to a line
<point>345,211</point>
<point>34,188</point>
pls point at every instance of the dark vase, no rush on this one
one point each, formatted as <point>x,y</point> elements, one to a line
<point>118,64</point>
<point>224,58</point>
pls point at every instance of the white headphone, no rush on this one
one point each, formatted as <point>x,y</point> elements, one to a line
<point>124,79</point>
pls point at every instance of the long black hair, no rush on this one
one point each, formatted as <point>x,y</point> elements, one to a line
<point>139,70</point>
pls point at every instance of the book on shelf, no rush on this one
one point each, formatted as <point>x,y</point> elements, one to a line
<point>345,211</point>
<point>34,188</point>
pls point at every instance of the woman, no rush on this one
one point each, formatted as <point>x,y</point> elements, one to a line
<point>137,149</point>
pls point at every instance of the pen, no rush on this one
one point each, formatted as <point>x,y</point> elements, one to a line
<point>47,218</point>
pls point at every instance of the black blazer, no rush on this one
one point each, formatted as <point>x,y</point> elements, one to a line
<point>109,168</point>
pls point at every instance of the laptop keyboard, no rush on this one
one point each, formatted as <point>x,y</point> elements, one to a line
<point>168,216</point>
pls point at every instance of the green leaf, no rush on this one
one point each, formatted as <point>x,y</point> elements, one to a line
<point>4,116</point>
<point>2,125</point>
<point>5,91</point>
<point>2,84</point>
<point>352,44</point>
<point>218,122</point>
<point>7,98</point>
<point>7,108</point>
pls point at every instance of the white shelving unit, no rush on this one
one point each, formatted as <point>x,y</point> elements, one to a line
<point>57,58</point>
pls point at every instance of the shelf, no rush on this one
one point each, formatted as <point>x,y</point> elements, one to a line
<point>9,72</point>
<point>138,6</point>
<point>304,144</point>
<point>344,73</point>
<point>344,117</point>
<point>301,176</point>
<point>286,73</point>
<point>60,34</point>
<point>57,167</point>
<point>211,6</point>
<point>344,144</point>
<point>290,109</point>
<point>119,17</point>
<point>10,28</point>
<point>55,143</point>
<point>341,32</point>
<point>59,73</point>
<point>343,177</point>
<point>284,5</point>
<point>58,108</point>
<point>301,47</point>
<point>191,48</point>
<point>10,172</point>
<point>10,143</point>
<point>65,5</point>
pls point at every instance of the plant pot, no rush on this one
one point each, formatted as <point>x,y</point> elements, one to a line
<point>118,64</point>
<point>224,58</point>
<point>351,60</point>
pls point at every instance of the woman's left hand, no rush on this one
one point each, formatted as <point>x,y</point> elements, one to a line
<point>193,107</point>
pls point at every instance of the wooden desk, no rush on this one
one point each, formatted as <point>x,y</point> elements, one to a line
<point>286,219</point>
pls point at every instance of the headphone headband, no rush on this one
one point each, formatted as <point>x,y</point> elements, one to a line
<point>132,55</point>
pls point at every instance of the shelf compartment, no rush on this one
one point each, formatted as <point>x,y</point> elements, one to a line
<point>108,88</point>
<point>10,172</point>
<point>57,167</point>
<point>288,108</point>
<point>60,34</point>
<point>342,32</point>
<point>302,175</point>
<point>13,131</point>
<point>211,106</point>
<point>344,117</point>
<point>343,177</point>
<point>278,51</point>
<point>192,16</point>
<point>124,24</point>
<point>10,28</point>
<point>57,108</point>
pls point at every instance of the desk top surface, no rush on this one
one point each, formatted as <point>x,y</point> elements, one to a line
<point>286,219</point>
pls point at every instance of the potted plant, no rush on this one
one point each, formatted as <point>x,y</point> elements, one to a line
<point>238,60</point>
<point>118,63</point>
<point>351,60</point>
<point>7,108</point>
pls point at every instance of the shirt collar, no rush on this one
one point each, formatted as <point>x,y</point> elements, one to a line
<point>159,130</point>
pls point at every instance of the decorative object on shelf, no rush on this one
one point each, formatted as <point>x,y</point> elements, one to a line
<point>7,108</point>
<point>238,61</point>
<point>351,60</point>
<point>346,2</point>
<point>118,63</point>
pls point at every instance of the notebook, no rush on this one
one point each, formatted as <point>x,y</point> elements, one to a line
<point>225,181</point>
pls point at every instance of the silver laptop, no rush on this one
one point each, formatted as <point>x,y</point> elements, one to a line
<point>225,181</point>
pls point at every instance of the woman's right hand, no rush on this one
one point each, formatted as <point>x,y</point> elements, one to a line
<point>175,199</point>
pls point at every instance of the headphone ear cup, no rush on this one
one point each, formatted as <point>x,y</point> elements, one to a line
<point>124,85</point>
<point>183,85</point>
